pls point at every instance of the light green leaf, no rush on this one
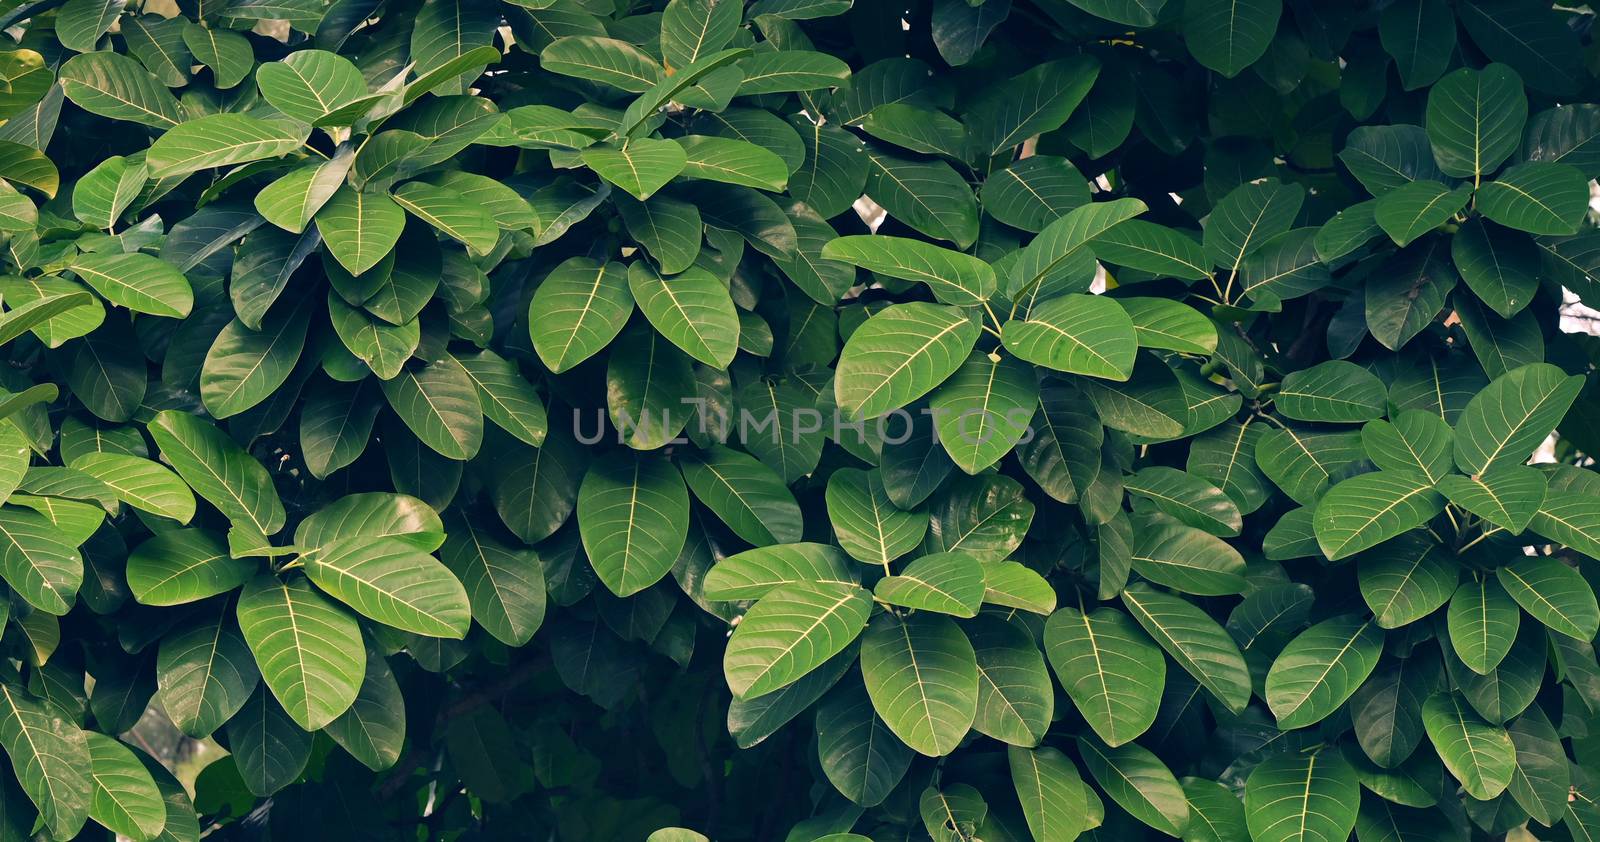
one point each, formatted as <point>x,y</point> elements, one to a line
<point>1507,496</point>
<point>791,631</point>
<point>1110,669</point>
<point>219,470</point>
<point>1079,334</point>
<point>1298,797</point>
<point>184,565</point>
<point>125,800</point>
<point>1320,668</point>
<point>633,514</point>
<point>577,310</point>
<point>945,583</point>
<point>360,229</point>
<point>922,675</point>
<point>1481,756</point>
<point>1512,416</point>
<point>309,649</point>
<point>393,582</point>
<point>1554,594</point>
<point>219,140</point>
<point>899,355</point>
<point>693,310</point>
<point>1194,640</point>
<point>439,404</point>
<point>139,282</point>
<point>1367,510</point>
<point>955,278</point>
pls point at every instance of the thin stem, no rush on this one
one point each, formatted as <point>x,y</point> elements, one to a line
<point>1474,542</point>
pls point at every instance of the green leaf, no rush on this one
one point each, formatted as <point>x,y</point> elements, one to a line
<point>184,565</point>
<point>309,649</point>
<point>125,800</point>
<point>955,278</point>
<point>1406,579</point>
<point>1320,668</point>
<point>1248,217</point>
<point>1051,792</point>
<point>791,631</point>
<point>219,470</point>
<point>219,140</point>
<point>1033,192</point>
<point>782,71</point>
<point>693,310</point>
<point>1420,35</point>
<point>1507,496</point>
<point>1475,119</point>
<point>39,561</point>
<point>450,212</point>
<point>439,404</point>
<point>982,410</point>
<point>1016,699</point>
<point>577,310</point>
<point>1294,797</point>
<point>51,759</point>
<point>136,281</point>
<point>1063,246</point>
<point>1512,416</point>
<point>1149,247</point>
<point>1230,35</point>
<point>1188,498</point>
<point>869,526</point>
<point>692,29</point>
<point>506,397</point>
<point>1554,594</point>
<point>753,573</point>
<point>633,513</point>
<point>1194,640</point>
<point>1079,334</point>
<point>141,483</point>
<point>1140,784</point>
<point>103,193</point>
<point>928,196</point>
<point>373,730</point>
<point>1109,668</point>
<point>1500,266</point>
<point>1335,391</point>
<point>1367,510</point>
<point>227,53</point>
<point>360,229</point>
<point>1413,209</point>
<point>1414,441</point>
<point>1169,325</point>
<point>1190,560</point>
<point>244,367</point>
<point>944,583</point>
<point>668,229</point>
<point>744,494</point>
<point>899,355</point>
<point>391,581</point>
<point>605,60</point>
<point>1481,756</point>
<point>921,673</point>
<point>1482,621</point>
<point>115,86</point>
<point>310,85</point>
<point>269,749</point>
<point>733,162</point>
<point>1537,197</point>
<point>205,671</point>
<point>640,167</point>
<point>1032,103</point>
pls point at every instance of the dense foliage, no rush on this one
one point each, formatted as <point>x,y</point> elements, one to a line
<point>1001,420</point>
